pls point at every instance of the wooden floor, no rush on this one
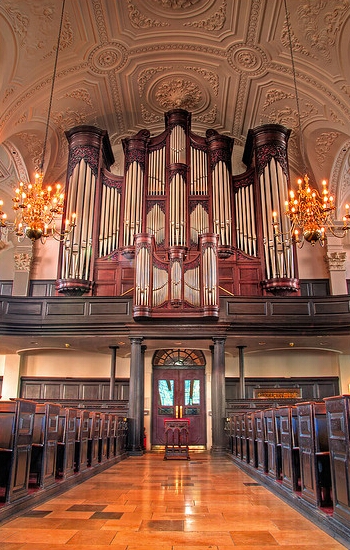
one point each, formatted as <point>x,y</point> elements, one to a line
<point>148,502</point>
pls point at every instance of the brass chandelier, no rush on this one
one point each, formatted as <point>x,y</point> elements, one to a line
<point>37,206</point>
<point>310,212</point>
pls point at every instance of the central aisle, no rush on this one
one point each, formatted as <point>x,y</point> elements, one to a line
<point>148,502</point>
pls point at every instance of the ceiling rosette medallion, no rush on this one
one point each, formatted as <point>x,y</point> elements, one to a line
<point>247,59</point>
<point>180,93</point>
<point>108,57</point>
<point>176,4</point>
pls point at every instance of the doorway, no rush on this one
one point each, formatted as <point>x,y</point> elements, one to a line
<point>179,392</point>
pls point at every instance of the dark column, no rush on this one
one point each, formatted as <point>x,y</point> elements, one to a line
<point>113,369</point>
<point>142,391</point>
<point>136,398</point>
<point>218,399</point>
<point>241,372</point>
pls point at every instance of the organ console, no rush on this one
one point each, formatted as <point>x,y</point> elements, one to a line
<point>177,230</point>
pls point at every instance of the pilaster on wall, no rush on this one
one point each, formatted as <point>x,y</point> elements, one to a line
<point>23,258</point>
<point>10,383</point>
<point>336,263</point>
<point>344,373</point>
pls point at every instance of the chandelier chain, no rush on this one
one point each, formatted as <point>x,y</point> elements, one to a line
<point>52,88</point>
<point>301,137</point>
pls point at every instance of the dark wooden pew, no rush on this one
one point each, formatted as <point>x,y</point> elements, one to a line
<point>16,433</point>
<point>289,447</point>
<point>82,440</point>
<point>274,462</point>
<point>95,418</point>
<point>240,432</point>
<point>67,433</point>
<point>338,424</point>
<point>244,439</point>
<point>236,432</point>
<point>44,445</point>
<point>122,435</point>
<point>314,454</point>
<point>261,442</point>
<point>233,442</point>
<point>103,438</point>
<point>112,435</point>
<point>252,451</point>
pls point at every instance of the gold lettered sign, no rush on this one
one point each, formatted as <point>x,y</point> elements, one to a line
<point>277,393</point>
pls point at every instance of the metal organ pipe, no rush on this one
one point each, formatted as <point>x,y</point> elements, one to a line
<point>156,172</point>
<point>177,211</point>
<point>222,204</point>
<point>192,286</point>
<point>77,245</point>
<point>160,286</point>
<point>133,203</point>
<point>156,223</point>
<point>109,221</point>
<point>199,172</point>
<point>199,222</point>
<point>142,271</point>
<point>252,220</point>
<point>177,145</point>
<point>86,235</point>
<point>278,247</point>
<point>176,287</point>
<point>68,242</point>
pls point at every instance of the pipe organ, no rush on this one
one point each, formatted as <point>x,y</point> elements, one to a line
<point>177,230</point>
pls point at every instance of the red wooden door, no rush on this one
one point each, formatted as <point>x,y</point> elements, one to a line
<point>179,393</point>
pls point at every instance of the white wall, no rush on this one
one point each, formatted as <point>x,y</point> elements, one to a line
<point>311,262</point>
<point>70,363</point>
<point>291,362</point>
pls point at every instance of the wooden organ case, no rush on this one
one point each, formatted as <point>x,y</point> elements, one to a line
<point>178,229</point>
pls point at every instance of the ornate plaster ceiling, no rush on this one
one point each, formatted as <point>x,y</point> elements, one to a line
<point>123,63</point>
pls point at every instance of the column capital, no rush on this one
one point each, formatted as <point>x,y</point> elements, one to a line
<point>219,339</point>
<point>136,339</point>
<point>336,261</point>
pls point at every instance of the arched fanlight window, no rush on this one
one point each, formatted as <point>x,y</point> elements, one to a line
<point>178,358</point>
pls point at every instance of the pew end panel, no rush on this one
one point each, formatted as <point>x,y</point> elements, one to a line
<point>290,461</point>
<point>314,462</point>
<point>338,425</point>
<point>44,445</point>
<point>16,433</point>
<point>261,442</point>
<point>82,441</point>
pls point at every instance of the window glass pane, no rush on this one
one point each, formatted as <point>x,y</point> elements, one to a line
<point>192,392</point>
<point>166,392</point>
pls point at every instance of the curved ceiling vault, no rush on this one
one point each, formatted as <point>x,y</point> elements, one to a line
<point>122,64</point>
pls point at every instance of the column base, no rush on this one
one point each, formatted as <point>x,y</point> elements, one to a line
<point>135,452</point>
<point>218,450</point>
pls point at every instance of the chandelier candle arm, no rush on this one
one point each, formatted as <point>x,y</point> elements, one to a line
<point>311,213</point>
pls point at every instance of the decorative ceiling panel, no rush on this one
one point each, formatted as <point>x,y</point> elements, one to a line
<point>122,64</point>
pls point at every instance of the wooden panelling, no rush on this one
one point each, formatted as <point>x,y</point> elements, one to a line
<point>56,309</point>
<point>6,288</point>
<point>98,308</point>
<point>73,389</point>
<point>295,307</point>
<point>25,307</point>
<point>42,288</point>
<point>337,306</point>
<point>285,312</point>
<point>250,308</point>
<point>310,388</point>
<point>314,287</point>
